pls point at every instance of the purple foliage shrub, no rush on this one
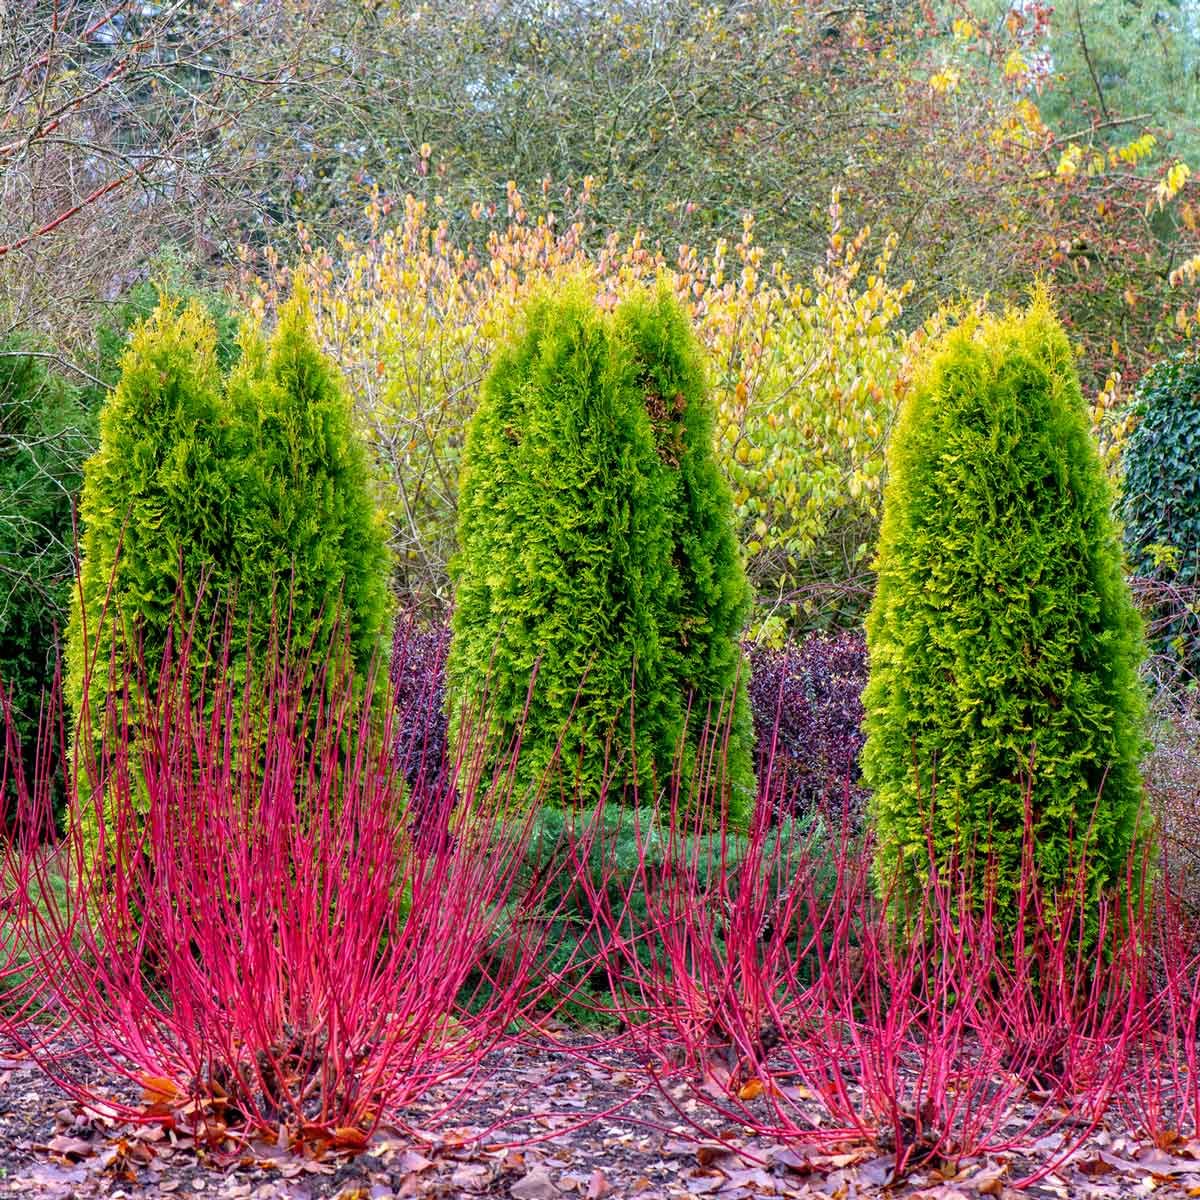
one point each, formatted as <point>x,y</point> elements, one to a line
<point>807,702</point>
<point>806,699</point>
<point>418,676</point>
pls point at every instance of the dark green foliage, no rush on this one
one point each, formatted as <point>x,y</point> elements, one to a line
<point>597,546</point>
<point>1161,495</point>
<point>45,434</point>
<point>1003,643</point>
<point>702,623</point>
<point>624,847</point>
<point>308,542</point>
<point>565,559</point>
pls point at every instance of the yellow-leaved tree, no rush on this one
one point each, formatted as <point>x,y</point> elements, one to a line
<point>806,376</point>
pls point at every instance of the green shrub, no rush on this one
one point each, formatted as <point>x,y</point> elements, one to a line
<point>210,499</point>
<point>597,548</point>
<point>1161,493</point>
<point>45,434</point>
<point>564,561</point>
<point>309,544</point>
<point>702,623</point>
<point>156,501</point>
<point>136,305</point>
<point>1004,646</point>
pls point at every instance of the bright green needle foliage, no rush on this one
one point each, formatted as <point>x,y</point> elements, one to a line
<point>703,624</point>
<point>1004,645</point>
<point>597,548</point>
<point>565,561</point>
<point>155,511</point>
<point>310,548</point>
<point>1161,493</point>
<point>238,511</point>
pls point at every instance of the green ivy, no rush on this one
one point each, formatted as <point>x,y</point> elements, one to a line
<point>1161,490</point>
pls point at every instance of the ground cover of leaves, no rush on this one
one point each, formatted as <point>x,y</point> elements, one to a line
<point>548,1122</point>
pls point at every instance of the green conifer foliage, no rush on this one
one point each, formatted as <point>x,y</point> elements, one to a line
<point>240,509</point>
<point>565,560</point>
<point>156,500</point>
<point>45,431</point>
<point>1161,492</point>
<point>1004,646</point>
<point>703,618</point>
<point>310,549</point>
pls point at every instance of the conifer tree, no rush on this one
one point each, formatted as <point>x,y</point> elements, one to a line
<point>234,514</point>
<point>1004,646</point>
<point>564,563</point>
<point>704,614</point>
<point>154,514</point>
<point>310,553</point>
<point>597,550</point>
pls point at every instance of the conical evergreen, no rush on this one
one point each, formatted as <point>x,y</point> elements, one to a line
<point>309,548</point>
<point>564,561</point>
<point>157,499</point>
<point>597,548</point>
<point>703,616</point>
<point>1004,646</point>
<point>235,513</point>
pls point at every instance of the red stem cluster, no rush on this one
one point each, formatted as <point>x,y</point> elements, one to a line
<point>242,920</point>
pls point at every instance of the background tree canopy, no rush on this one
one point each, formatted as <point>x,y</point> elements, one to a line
<point>981,143</point>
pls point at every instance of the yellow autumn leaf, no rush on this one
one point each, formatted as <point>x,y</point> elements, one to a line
<point>1172,182</point>
<point>945,80</point>
<point>1068,163</point>
<point>1015,65</point>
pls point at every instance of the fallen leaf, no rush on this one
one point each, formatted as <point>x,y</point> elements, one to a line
<point>158,1089</point>
<point>1154,1163</point>
<point>70,1148</point>
<point>598,1186</point>
<point>469,1177</point>
<point>751,1089</point>
<point>537,1185</point>
<point>412,1163</point>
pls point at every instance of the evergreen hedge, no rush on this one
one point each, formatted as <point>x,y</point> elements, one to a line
<point>596,546</point>
<point>1161,493</point>
<point>1003,643</point>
